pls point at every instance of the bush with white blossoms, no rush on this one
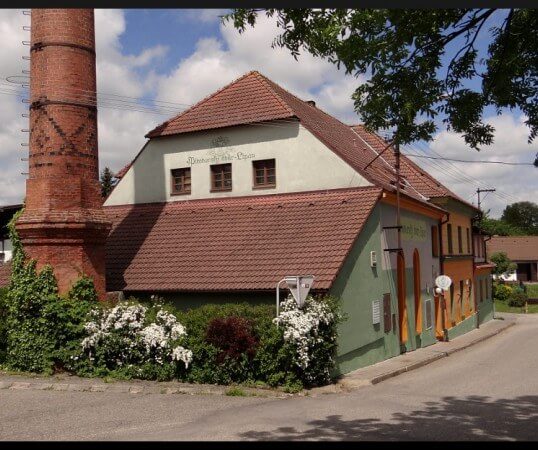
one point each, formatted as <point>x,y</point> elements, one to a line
<point>121,337</point>
<point>311,330</point>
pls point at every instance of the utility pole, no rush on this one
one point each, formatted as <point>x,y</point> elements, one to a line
<point>397,167</point>
<point>478,191</point>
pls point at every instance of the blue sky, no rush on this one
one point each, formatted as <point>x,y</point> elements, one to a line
<point>180,56</point>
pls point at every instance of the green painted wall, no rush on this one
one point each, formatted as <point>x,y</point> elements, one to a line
<point>463,327</point>
<point>360,343</point>
<point>485,308</point>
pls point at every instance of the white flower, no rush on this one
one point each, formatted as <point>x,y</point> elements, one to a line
<point>126,322</point>
<point>301,326</point>
<point>182,354</point>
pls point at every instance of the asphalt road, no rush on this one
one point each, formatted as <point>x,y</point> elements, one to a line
<point>489,391</point>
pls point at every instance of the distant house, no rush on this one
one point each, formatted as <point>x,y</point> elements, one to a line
<point>523,250</point>
<point>6,213</point>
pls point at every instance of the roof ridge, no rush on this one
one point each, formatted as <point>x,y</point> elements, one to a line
<point>265,80</point>
<point>200,102</point>
<point>304,101</point>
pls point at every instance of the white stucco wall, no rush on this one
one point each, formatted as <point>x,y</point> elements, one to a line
<point>303,163</point>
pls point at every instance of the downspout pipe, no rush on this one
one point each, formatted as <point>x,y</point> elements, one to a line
<point>442,268</point>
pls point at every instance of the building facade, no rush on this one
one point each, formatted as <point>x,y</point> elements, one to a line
<point>253,184</point>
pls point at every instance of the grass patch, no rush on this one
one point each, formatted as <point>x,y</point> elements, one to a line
<point>503,307</point>
<point>236,392</point>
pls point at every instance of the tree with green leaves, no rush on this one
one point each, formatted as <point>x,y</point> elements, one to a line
<point>402,52</point>
<point>503,264</point>
<point>522,215</point>
<point>108,182</point>
<point>498,227</point>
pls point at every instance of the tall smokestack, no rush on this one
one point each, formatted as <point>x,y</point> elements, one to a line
<point>63,223</point>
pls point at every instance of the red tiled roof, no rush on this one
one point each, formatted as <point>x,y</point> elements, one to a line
<point>241,243</point>
<point>245,100</point>
<point>121,173</point>
<point>5,274</point>
<point>417,177</point>
<point>517,248</point>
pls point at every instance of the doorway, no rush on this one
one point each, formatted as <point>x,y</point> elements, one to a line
<point>417,292</point>
<point>402,304</point>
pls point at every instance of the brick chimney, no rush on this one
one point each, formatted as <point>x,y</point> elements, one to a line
<point>63,223</point>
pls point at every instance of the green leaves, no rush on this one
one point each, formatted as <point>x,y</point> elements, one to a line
<point>41,327</point>
<point>401,52</point>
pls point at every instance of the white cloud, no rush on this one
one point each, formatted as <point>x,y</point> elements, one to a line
<point>513,182</point>
<point>121,133</point>
<point>205,16</point>
<point>12,182</point>
<point>217,62</point>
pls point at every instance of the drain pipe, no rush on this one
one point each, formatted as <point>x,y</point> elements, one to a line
<point>442,268</point>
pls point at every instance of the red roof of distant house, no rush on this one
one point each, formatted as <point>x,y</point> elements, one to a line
<point>241,243</point>
<point>517,248</point>
<point>5,274</point>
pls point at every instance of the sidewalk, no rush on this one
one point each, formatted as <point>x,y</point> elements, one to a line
<point>413,360</point>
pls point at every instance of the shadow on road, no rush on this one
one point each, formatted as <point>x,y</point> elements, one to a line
<point>473,417</point>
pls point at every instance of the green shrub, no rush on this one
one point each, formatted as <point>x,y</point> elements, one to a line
<point>43,328</point>
<point>518,298</point>
<point>3,324</point>
<point>501,292</point>
<point>124,340</point>
<point>312,331</point>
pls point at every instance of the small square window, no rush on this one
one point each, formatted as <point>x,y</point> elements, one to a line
<point>264,173</point>
<point>181,181</point>
<point>221,177</point>
<point>435,241</point>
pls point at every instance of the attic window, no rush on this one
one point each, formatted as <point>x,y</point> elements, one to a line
<point>221,177</point>
<point>264,173</point>
<point>181,181</point>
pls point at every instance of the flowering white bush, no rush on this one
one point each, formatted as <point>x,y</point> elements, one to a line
<point>301,328</point>
<point>122,337</point>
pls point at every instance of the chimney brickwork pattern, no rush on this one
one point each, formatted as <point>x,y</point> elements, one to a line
<point>63,223</point>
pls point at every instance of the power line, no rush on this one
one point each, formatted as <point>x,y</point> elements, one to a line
<point>470,161</point>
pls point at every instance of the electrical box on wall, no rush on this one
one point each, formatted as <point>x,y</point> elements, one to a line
<point>373,259</point>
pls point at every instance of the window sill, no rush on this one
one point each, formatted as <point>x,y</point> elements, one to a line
<point>264,186</point>
<point>221,190</point>
<point>172,194</point>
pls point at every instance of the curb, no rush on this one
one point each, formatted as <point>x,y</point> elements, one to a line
<point>349,385</point>
<point>481,339</point>
<point>130,388</point>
